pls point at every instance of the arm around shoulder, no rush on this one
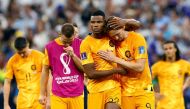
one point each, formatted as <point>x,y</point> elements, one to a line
<point>92,73</point>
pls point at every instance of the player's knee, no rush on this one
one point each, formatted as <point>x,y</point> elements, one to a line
<point>111,105</point>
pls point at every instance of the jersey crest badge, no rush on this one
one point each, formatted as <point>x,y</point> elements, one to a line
<point>33,67</point>
<point>127,54</point>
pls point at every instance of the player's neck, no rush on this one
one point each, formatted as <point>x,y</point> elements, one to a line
<point>125,34</point>
<point>97,35</point>
<point>29,52</point>
<point>171,59</point>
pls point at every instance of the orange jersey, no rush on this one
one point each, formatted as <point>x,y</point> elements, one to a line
<point>132,48</point>
<point>27,72</point>
<point>171,78</point>
<point>89,49</point>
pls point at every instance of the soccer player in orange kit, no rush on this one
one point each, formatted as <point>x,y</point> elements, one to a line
<point>171,72</point>
<point>26,66</point>
<point>104,89</point>
<point>136,85</point>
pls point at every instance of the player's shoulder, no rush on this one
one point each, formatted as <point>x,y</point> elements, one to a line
<point>14,57</point>
<point>87,39</point>
<point>136,35</point>
<point>52,43</point>
<point>158,63</point>
<point>36,52</point>
<point>184,62</point>
<point>77,40</point>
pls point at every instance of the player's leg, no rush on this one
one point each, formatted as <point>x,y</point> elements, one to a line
<point>34,103</point>
<point>112,106</point>
<point>28,101</point>
<point>146,101</point>
<point>76,102</point>
<point>58,102</point>
<point>113,98</point>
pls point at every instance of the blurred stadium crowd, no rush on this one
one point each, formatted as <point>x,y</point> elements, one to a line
<point>40,20</point>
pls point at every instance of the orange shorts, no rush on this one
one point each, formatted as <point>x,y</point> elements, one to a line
<point>67,103</point>
<point>98,100</point>
<point>28,101</point>
<point>146,101</point>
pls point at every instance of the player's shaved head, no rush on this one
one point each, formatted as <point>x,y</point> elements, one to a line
<point>98,13</point>
<point>67,30</point>
<point>97,23</point>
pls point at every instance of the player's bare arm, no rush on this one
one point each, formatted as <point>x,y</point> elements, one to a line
<point>94,74</point>
<point>187,83</point>
<point>130,24</point>
<point>75,58</point>
<point>137,66</point>
<point>7,84</point>
<point>44,82</point>
<point>49,87</point>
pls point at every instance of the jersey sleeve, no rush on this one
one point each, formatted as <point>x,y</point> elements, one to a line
<point>9,69</point>
<point>46,58</point>
<point>140,47</point>
<point>41,57</point>
<point>86,53</point>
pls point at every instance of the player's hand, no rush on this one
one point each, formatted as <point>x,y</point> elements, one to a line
<point>7,107</point>
<point>48,104</point>
<point>96,65</point>
<point>42,99</point>
<point>107,55</point>
<point>69,50</point>
<point>116,22</point>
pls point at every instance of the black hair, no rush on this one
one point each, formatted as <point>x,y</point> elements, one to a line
<point>178,57</point>
<point>20,43</point>
<point>98,13</point>
<point>67,30</point>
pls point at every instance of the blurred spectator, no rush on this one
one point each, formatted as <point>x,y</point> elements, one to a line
<point>41,37</point>
<point>9,31</point>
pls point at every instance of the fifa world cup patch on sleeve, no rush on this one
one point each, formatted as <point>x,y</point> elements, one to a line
<point>83,56</point>
<point>141,50</point>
